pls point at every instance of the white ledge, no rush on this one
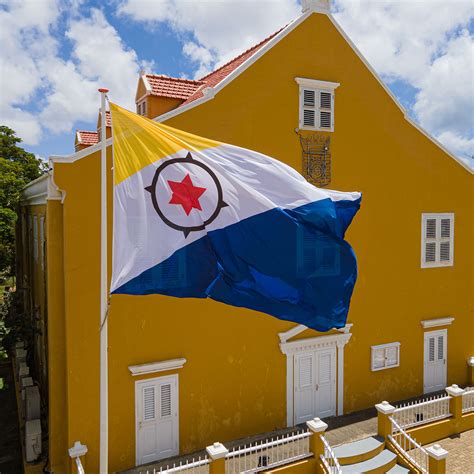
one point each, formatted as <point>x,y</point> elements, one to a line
<point>432,323</point>
<point>315,84</point>
<point>153,367</point>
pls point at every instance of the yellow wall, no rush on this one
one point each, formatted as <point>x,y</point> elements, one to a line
<point>234,381</point>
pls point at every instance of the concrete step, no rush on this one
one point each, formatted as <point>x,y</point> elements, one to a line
<point>380,463</point>
<point>358,451</point>
<point>397,469</point>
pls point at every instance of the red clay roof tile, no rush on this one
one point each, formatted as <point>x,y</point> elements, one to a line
<point>173,87</point>
<point>87,137</point>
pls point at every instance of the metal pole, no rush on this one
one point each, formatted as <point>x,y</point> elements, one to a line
<point>104,415</point>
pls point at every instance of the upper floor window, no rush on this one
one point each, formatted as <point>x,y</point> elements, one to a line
<point>316,104</point>
<point>437,240</point>
<point>141,108</point>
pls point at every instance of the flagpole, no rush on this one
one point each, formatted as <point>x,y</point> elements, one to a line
<point>104,415</point>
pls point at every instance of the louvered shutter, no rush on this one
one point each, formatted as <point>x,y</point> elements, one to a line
<point>306,372</point>
<point>149,405</point>
<point>165,400</point>
<point>325,110</point>
<point>437,240</point>
<point>308,108</point>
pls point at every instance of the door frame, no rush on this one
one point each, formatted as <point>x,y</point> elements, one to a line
<point>313,344</point>
<point>138,384</point>
<point>427,334</point>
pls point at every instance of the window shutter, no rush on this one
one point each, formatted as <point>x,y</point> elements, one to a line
<point>165,392</point>
<point>309,118</point>
<point>149,403</point>
<point>325,110</point>
<point>309,97</point>
<point>144,108</point>
<point>309,107</point>
<point>437,240</point>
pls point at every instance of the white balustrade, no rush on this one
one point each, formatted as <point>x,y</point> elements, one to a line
<point>329,458</point>
<point>269,453</point>
<point>468,400</point>
<point>195,466</point>
<point>409,447</point>
<point>421,412</point>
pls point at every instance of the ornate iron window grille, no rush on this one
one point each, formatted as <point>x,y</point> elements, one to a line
<point>316,154</point>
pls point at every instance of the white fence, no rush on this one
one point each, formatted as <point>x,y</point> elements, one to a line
<point>418,413</point>
<point>199,466</point>
<point>329,458</point>
<point>408,447</point>
<point>468,400</point>
<point>269,453</point>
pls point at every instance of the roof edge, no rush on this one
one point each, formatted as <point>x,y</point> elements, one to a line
<point>394,98</point>
<point>276,39</point>
<point>238,70</point>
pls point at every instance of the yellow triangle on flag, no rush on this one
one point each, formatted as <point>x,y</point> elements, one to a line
<point>139,142</point>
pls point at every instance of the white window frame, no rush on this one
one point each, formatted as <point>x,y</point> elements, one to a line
<point>437,240</point>
<point>384,347</point>
<point>141,108</point>
<point>42,240</point>
<point>318,87</point>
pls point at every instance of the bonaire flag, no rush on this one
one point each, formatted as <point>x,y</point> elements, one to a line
<point>197,218</point>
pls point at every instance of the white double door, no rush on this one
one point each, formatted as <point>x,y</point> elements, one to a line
<point>156,411</point>
<point>435,361</point>
<point>314,384</point>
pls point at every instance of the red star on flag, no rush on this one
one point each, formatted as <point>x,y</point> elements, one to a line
<point>186,194</point>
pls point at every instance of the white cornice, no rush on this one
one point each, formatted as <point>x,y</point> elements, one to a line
<point>35,192</point>
<point>315,342</point>
<point>432,323</point>
<point>316,84</point>
<point>153,367</point>
<point>294,331</point>
<point>146,84</point>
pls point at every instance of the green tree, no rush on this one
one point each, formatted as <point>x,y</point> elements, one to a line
<point>17,168</point>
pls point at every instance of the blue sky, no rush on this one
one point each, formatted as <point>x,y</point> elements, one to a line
<point>55,53</point>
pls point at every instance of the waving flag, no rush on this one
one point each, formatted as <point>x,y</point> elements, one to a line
<point>197,218</point>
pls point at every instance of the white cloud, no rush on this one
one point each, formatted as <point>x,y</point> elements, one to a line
<point>446,97</point>
<point>40,89</point>
<point>424,44</point>
<point>200,55</point>
<point>461,146</point>
<point>223,28</point>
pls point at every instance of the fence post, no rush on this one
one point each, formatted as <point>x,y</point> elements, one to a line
<point>455,405</point>
<point>437,459</point>
<point>75,453</point>
<point>384,410</point>
<point>217,452</point>
<point>316,446</point>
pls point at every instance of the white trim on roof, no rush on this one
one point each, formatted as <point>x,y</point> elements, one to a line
<point>276,39</point>
<point>238,70</point>
<point>79,154</point>
<point>146,84</point>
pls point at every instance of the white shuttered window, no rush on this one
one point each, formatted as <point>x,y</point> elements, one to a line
<point>437,240</point>
<point>385,356</point>
<point>316,104</point>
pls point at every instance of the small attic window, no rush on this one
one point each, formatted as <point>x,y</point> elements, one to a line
<point>316,104</point>
<point>141,108</point>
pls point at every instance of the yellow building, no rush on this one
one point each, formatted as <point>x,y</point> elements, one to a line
<point>220,373</point>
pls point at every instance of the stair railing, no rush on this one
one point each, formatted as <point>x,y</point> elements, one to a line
<point>329,458</point>
<point>408,447</point>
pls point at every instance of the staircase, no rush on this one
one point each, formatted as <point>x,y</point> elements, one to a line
<point>368,455</point>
